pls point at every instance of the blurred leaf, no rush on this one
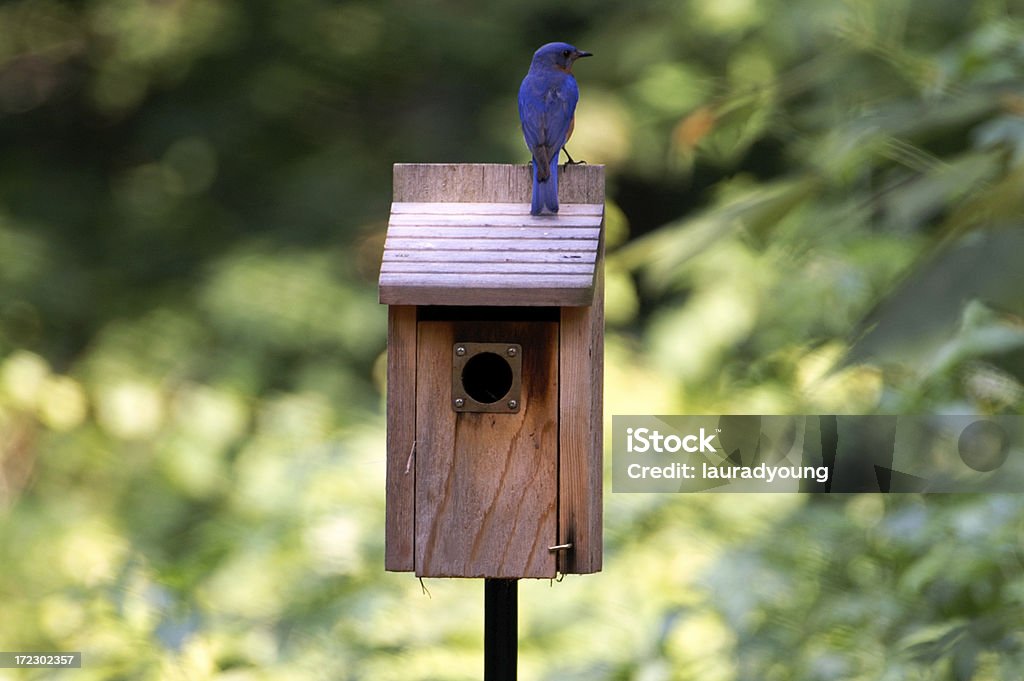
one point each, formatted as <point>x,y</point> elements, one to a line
<point>913,323</point>
<point>930,644</point>
<point>662,255</point>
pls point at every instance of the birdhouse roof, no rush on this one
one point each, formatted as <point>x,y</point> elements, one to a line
<point>490,254</point>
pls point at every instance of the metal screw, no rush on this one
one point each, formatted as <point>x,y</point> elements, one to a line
<point>460,351</point>
<point>459,402</point>
<point>512,352</point>
<point>512,404</point>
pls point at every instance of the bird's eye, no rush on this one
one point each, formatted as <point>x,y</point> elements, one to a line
<point>566,53</point>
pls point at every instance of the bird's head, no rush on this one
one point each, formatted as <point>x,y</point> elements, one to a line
<point>558,55</point>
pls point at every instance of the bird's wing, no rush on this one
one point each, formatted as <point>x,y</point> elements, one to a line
<point>531,114</point>
<point>546,108</point>
<point>561,107</point>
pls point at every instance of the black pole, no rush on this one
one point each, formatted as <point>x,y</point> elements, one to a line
<point>501,629</point>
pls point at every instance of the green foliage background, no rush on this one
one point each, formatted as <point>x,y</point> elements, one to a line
<point>815,206</point>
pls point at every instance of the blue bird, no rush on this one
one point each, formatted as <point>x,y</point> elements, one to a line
<point>547,111</point>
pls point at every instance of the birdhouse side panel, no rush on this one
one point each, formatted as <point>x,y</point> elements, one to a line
<point>581,437</point>
<point>399,527</point>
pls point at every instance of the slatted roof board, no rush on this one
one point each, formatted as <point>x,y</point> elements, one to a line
<point>490,254</point>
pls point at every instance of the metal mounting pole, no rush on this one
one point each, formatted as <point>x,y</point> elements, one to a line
<point>501,629</point>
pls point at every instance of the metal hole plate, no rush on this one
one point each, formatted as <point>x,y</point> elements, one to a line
<point>476,390</point>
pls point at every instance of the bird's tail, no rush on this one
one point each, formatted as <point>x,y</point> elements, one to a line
<point>545,192</point>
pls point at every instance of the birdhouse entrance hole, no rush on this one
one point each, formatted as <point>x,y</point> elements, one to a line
<point>486,377</point>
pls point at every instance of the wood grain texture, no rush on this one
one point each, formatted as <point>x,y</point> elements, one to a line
<point>497,255</point>
<point>490,289</point>
<point>486,483</point>
<point>491,208</point>
<point>462,234</point>
<point>581,435</point>
<point>548,268</point>
<point>491,183</point>
<point>494,226</point>
<point>399,525</point>
<point>432,255</point>
<point>398,248</point>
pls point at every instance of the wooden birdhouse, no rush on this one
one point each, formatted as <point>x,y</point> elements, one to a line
<point>495,361</point>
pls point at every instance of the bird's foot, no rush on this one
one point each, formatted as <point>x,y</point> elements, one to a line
<point>570,162</point>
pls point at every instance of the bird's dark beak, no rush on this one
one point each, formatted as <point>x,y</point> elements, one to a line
<point>576,55</point>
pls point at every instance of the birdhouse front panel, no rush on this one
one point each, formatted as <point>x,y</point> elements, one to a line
<point>486,479</point>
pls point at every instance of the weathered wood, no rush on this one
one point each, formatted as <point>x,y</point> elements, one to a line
<point>581,436</point>
<point>491,208</point>
<point>501,256</point>
<point>531,290</point>
<point>401,408</point>
<point>486,483</point>
<point>491,183</point>
<point>552,268</point>
<point>458,227</point>
<point>454,215</point>
<point>422,264</point>
<point>396,248</point>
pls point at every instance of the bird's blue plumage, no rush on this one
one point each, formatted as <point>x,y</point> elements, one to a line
<point>547,106</point>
